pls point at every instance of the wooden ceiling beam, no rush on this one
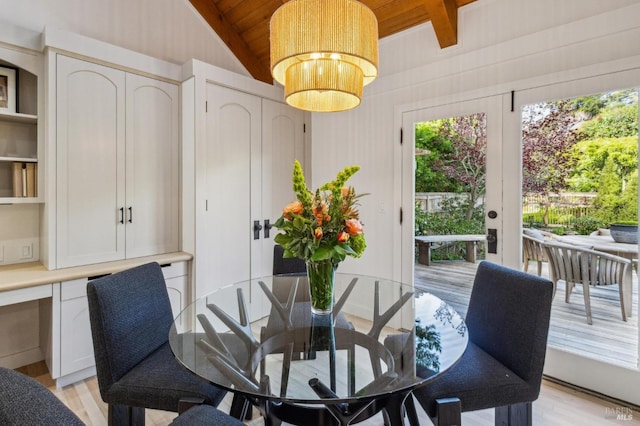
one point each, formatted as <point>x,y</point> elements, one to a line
<point>444,18</point>
<point>233,40</point>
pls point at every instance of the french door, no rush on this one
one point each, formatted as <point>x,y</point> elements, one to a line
<point>595,370</point>
<point>490,111</point>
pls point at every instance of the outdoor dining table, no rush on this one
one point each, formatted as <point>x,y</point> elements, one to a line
<point>604,243</point>
<point>382,340</point>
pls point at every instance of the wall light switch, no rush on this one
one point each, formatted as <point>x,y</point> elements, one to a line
<point>27,251</point>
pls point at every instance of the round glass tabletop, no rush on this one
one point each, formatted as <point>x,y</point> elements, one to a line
<point>259,338</point>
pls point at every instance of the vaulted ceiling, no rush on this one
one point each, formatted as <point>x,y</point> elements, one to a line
<point>244,24</point>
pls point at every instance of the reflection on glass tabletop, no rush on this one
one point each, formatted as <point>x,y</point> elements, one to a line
<point>260,338</point>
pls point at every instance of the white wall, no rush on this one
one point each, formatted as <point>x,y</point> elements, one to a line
<point>504,45</point>
<point>166,29</point>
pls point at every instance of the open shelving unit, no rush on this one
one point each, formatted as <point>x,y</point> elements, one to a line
<point>19,142</point>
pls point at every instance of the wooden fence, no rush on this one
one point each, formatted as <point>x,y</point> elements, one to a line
<point>565,207</point>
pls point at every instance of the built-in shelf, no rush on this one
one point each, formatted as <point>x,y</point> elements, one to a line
<point>19,159</point>
<point>19,156</point>
<point>18,117</point>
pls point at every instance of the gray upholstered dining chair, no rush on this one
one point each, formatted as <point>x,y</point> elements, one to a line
<point>25,401</point>
<point>578,265</point>
<point>130,316</point>
<point>508,324</point>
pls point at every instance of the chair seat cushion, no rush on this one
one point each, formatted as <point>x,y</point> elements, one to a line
<point>479,381</point>
<point>205,415</point>
<point>159,382</point>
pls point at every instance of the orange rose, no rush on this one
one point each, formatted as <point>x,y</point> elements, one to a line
<point>294,207</point>
<point>317,233</point>
<point>345,191</point>
<point>353,226</point>
<point>343,237</point>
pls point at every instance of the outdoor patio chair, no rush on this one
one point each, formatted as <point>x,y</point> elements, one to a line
<point>532,249</point>
<point>578,265</point>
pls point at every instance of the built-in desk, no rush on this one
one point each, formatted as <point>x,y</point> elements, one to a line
<point>44,313</point>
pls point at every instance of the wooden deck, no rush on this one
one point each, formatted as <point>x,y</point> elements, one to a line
<point>609,338</point>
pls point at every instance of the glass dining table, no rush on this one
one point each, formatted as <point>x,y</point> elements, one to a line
<point>260,340</point>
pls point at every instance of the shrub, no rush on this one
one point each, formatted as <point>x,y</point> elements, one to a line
<point>584,225</point>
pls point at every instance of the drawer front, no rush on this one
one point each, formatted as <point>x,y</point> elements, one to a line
<point>175,269</point>
<point>73,289</point>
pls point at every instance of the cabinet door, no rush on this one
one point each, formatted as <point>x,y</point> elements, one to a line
<point>152,167</point>
<point>224,237</point>
<point>90,162</point>
<point>282,143</point>
<point>76,343</point>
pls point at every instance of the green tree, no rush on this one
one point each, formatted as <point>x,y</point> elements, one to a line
<point>591,156</point>
<point>616,121</point>
<point>431,147</point>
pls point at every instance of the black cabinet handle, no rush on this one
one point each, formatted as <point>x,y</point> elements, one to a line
<point>267,228</point>
<point>256,229</point>
<point>130,214</point>
<point>122,215</point>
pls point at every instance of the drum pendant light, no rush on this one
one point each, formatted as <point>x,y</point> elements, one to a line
<point>323,52</point>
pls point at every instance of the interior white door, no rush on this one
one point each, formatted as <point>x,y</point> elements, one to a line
<point>152,165</point>
<point>224,239</point>
<point>90,141</point>
<point>492,108</point>
<point>282,143</point>
<point>621,382</point>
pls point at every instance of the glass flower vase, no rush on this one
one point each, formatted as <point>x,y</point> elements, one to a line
<point>321,275</point>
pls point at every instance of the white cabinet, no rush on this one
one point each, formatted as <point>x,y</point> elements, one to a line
<point>248,155</point>
<point>72,349</point>
<point>117,164</point>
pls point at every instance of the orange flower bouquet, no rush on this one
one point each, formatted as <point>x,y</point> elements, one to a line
<point>322,227</point>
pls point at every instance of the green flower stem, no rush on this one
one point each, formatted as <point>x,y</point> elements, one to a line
<point>321,275</point>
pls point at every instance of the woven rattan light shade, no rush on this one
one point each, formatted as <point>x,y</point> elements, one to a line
<point>323,52</point>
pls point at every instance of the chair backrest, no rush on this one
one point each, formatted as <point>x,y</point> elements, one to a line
<point>533,248</point>
<point>287,266</point>
<point>508,317</point>
<point>581,265</point>
<point>25,401</point>
<point>130,316</point>
<point>288,271</point>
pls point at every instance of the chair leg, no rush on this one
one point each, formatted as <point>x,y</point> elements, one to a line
<point>124,415</point>
<point>448,412</point>
<point>587,302</point>
<point>515,415</point>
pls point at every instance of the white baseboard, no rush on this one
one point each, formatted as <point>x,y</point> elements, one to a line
<point>72,378</point>
<point>20,359</point>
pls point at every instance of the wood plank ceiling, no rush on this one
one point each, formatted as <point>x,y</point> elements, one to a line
<point>244,24</point>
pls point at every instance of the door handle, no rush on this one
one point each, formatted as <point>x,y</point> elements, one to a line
<point>256,229</point>
<point>492,240</point>
<point>122,215</point>
<point>267,228</point>
<point>130,214</point>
